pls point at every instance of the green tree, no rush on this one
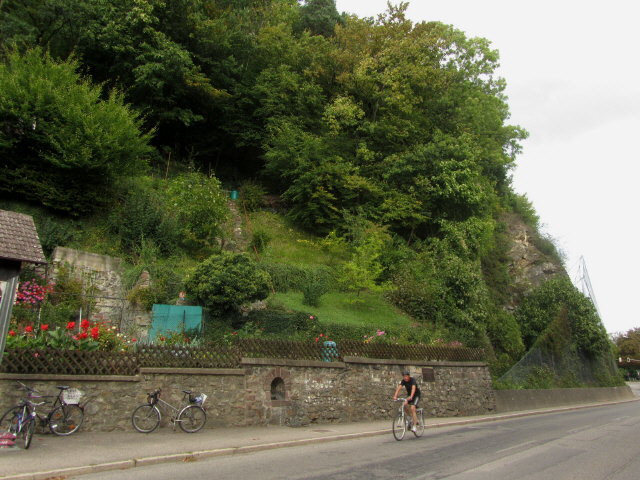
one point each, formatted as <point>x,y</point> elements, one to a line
<point>226,282</point>
<point>628,343</point>
<point>63,144</point>
<point>319,17</point>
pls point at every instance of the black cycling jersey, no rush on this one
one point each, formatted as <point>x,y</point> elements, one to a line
<point>410,383</point>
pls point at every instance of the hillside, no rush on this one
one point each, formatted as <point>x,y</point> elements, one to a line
<point>372,159</point>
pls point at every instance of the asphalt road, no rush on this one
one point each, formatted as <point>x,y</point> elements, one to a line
<point>589,444</point>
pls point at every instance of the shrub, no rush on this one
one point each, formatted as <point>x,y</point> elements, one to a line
<point>251,196</point>
<point>64,144</point>
<point>225,282</point>
<point>140,216</point>
<point>259,241</point>
<point>200,205</point>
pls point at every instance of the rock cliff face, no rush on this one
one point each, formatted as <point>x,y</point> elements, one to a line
<point>528,265</point>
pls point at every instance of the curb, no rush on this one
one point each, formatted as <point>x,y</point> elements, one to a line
<point>218,452</point>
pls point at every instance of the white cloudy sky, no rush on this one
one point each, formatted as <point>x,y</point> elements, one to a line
<point>572,69</point>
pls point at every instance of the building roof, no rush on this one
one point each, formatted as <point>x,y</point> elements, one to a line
<point>19,239</point>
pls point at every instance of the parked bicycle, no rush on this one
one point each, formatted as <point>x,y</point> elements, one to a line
<point>20,424</point>
<point>191,417</point>
<point>64,418</point>
<point>403,422</point>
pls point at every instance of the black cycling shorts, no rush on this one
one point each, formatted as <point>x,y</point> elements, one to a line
<point>415,400</point>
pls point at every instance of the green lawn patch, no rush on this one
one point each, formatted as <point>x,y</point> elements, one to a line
<point>337,308</point>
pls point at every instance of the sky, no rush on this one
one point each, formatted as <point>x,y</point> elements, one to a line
<point>572,74</point>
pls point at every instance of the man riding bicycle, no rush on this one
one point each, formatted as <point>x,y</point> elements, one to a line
<point>413,396</point>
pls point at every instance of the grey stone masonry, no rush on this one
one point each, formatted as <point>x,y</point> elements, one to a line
<point>276,391</point>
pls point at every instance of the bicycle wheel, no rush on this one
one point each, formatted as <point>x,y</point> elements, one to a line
<point>399,427</point>
<point>27,432</point>
<point>65,419</point>
<point>10,420</point>
<point>192,418</point>
<point>420,427</point>
<point>145,418</point>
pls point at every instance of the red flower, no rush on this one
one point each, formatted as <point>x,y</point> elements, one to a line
<point>71,325</point>
<point>95,333</point>
<point>316,339</point>
<point>82,335</point>
<point>28,329</point>
<point>134,340</point>
<point>12,333</point>
<point>84,324</point>
<point>44,327</point>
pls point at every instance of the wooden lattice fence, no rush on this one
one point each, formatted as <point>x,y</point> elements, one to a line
<point>69,362</point>
<point>82,362</point>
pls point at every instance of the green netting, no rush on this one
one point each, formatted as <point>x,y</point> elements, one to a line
<point>174,318</point>
<point>555,362</point>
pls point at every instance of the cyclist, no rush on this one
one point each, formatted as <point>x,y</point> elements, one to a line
<point>413,396</point>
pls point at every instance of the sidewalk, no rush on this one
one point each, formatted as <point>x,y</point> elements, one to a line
<point>87,452</point>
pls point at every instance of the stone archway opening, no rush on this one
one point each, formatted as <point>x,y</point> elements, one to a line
<point>277,389</point>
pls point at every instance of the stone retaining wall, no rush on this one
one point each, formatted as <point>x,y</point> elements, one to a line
<point>510,400</point>
<point>275,391</point>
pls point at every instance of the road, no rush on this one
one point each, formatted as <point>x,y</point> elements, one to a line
<point>590,444</point>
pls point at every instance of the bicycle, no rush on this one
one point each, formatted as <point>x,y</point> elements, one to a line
<point>191,417</point>
<point>402,422</point>
<point>64,418</point>
<point>22,423</point>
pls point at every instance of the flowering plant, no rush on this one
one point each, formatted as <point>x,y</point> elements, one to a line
<point>91,336</point>
<point>380,335</point>
<point>323,338</point>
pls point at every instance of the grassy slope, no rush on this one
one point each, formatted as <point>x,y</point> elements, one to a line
<point>289,245</point>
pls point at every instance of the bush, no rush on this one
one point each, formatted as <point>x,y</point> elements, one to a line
<point>140,216</point>
<point>282,322</point>
<point>200,204</point>
<point>259,241</point>
<point>288,277</point>
<point>251,196</point>
<point>64,144</point>
<point>225,282</point>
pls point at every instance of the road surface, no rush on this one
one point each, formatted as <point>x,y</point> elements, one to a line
<point>589,444</point>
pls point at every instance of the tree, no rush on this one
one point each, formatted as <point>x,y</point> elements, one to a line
<point>319,17</point>
<point>628,343</point>
<point>63,145</point>
<point>226,282</point>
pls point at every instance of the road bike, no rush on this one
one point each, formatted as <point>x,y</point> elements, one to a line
<point>191,417</point>
<point>64,418</point>
<point>403,422</point>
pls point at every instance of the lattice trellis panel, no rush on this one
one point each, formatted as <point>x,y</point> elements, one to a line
<point>70,362</point>
<point>81,362</point>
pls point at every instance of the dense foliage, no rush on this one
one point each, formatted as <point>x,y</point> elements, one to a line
<point>61,144</point>
<point>225,282</point>
<point>385,141</point>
